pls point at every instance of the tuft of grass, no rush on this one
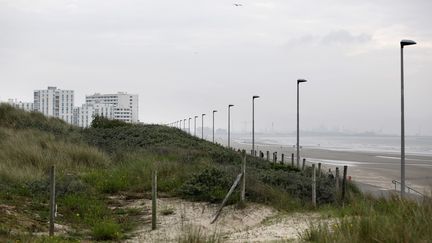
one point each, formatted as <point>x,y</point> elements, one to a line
<point>167,211</point>
<point>106,230</point>
<point>195,234</point>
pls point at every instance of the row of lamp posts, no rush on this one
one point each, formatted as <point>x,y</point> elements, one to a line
<point>403,43</point>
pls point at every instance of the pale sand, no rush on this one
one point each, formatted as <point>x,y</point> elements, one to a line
<point>255,223</point>
<point>374,168</point>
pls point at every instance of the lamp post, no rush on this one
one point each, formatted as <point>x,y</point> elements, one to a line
<point>402,44</point>
<point>214,111</point>
<point>202,125</point>
<point>298,121</point>
<point>180,124</point>
<point>189,124</point>
<point>253,123</point>
<point>195,117</point>
<point>229,124</point>
<point>184,125</point>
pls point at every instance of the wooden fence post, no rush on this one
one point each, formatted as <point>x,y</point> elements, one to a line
<point>344,182</point>
<point>292,159</point>
<point>337,180</point>
<point>154,198</point>
<point>52,202</point>
<point>234,185</point>
<point>319,170</point>
<point>243,185</point>
<point>313,186</point>
<point>304,162</point>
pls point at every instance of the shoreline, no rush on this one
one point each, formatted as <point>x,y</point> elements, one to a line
<point>376,168</point>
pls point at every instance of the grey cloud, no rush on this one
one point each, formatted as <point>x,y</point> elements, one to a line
<point>344,36</point>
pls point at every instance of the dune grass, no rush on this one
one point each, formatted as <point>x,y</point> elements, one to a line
<point>367,219</point>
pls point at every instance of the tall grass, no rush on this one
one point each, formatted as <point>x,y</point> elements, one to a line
<point>377,220</point>
<point>26,155</point>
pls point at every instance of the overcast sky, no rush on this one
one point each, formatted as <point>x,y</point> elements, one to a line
<point>189,57</point>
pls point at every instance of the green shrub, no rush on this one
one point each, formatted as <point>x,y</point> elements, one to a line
<point>106,230</point>
<point>210,185</point>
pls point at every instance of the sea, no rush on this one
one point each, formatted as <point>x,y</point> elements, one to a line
<point>415,145</point>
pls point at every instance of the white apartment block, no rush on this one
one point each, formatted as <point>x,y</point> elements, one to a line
<point>55,103</point>
<point>27,106</point>
<point>84,115</point>
<point>125,106</point>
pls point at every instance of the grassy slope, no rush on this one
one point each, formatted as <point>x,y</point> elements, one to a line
<point>117,158</point>
<point>368,219</point>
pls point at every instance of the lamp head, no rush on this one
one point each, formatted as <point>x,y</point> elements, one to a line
<point>301,81</point>
<point>196,116</point>
<point>255,97</point>
<point>203,114</point>
<point>407,43</point>
<point>214,111</point>
<point>230,105</point>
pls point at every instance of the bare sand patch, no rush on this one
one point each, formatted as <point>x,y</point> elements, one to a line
<point>254,223</point>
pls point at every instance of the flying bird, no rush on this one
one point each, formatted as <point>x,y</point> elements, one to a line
<point>238,4</point>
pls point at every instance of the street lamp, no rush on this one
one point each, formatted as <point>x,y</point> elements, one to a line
<point>189,124</point>
<point>402,44</point>
<point>229,123</point>
<point>253,123</point>
<point>202,125</point>
<point>214,111</point>
<point>298,125</point>
<point>184,125</point>
<point>180,124</point>
<point>195,117</point>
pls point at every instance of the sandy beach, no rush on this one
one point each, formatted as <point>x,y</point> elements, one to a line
<point>378,169</point>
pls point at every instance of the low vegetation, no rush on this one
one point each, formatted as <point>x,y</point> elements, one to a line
<point>376,220</point>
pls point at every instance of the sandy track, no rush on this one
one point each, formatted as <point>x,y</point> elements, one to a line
<point>254,223</point>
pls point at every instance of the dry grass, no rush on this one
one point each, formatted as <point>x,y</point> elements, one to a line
<point>26,155</point>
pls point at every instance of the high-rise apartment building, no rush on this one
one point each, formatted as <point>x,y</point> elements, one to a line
<point>125,106</point>
<point>84,115</point>
<point>55,103</point>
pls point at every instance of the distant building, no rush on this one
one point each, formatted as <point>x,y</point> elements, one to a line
<point>84,115</point>
<point>54,102</point>
<point>125,106</point>
<point>27,106</point>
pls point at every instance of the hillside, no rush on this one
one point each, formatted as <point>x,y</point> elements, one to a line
<point>114,158</point>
